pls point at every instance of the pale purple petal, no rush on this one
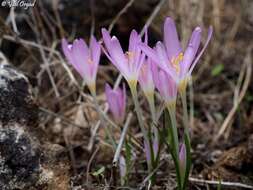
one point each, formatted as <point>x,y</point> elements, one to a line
<point>67,50</point>
<point>80,57</point>
<point>164,88</point>
<point>117,102</point>
<point>164,62</point>
<point>122,167</point>
<point>182,159</point>
<point>95,50</point>
<point>106,38</point>
<point>190,51</point>
<point>112,101</point>
<point>155,76</point>
<point>149,52</point>
<point>171,40</point>
<point>165,85</point>
<point>117,54</point>
<point>210,32</point>
<point>133,40</point>
<point>145,77</point>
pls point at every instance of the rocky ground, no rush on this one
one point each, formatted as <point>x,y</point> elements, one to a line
<point>47,118</point>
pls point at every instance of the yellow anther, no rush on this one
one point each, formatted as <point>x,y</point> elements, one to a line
<point>176,61</point>
<point>90,61</point>
<point>129,54</point>
<point>143,70</point>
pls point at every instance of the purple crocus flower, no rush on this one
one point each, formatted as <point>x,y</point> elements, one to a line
<point>146,79</point>
<point>117,102</point>
<point>170,57</point>
<point>165,85</point>
<point>129,63</point>
<point>182,159</point>
<point>122,168</point>
<point>84,59</point>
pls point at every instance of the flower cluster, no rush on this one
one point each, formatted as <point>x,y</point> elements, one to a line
<point>165,67</point>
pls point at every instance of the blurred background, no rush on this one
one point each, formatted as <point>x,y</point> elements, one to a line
<point>220,94</point>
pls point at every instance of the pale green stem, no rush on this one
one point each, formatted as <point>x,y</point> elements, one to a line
<point>185,113</point>
<point>172,113</point>
<point>187,133</point>
<point>151,103</point>
<point>139,117</point>
<point>108,132</point>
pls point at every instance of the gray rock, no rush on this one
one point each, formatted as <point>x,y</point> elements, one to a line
<point>27,160</point>
<point>16,102</point>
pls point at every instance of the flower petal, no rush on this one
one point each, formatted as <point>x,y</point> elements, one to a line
<point>209,35</point>
<point>190,51</point>
<point>171,40</point>
<point>133,40</point>
<point>67,50</point>
<point>149,52</point>
<point>117,54</point>
<point>106,38</point>
<point>163,62</point>
<point>95,50</point>
<point>80,57</point>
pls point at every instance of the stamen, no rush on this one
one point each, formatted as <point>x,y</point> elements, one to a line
<point>143,69</point>
<point>90,61</point>
<point>129,54</point>
<point>176,61</point>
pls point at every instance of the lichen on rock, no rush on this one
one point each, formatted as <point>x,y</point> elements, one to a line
<point>19,159</point>
<point>16,101</point>
<point>27,160</point>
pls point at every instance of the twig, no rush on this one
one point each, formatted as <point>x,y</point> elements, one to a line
<point>248,63</point>
<point>122,138</point>
<point>150,175</point>
<point>13,20</point>
<point>152,16</point>
<point>211,182</point>
<point>116,18</point>
<point>71,154</point>
<point>92,28</point>
<point>89,164</point>
<point>65,120</point>
<point>47,66</point>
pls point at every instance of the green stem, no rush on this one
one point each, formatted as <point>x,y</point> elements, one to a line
<point>187,139</point>
<point>143,130</point>
<point>174,130</point>
<point>151,103</point>
<point>185,113</point>
<point>154,130</point>
<point>174,142</point>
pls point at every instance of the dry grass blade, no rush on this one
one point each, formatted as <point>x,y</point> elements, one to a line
<point>229,118</point>
<point>223,183</point>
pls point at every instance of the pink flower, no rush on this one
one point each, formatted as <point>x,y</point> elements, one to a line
<point>169,55</point>
<point>165,85</point>
<point>117,102</point>
<point>182,159</point>
<point>128,63</point>
<point>84,59</point>
<point>146,79</point>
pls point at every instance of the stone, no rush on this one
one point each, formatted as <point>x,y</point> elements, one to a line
<point>27,160</point>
